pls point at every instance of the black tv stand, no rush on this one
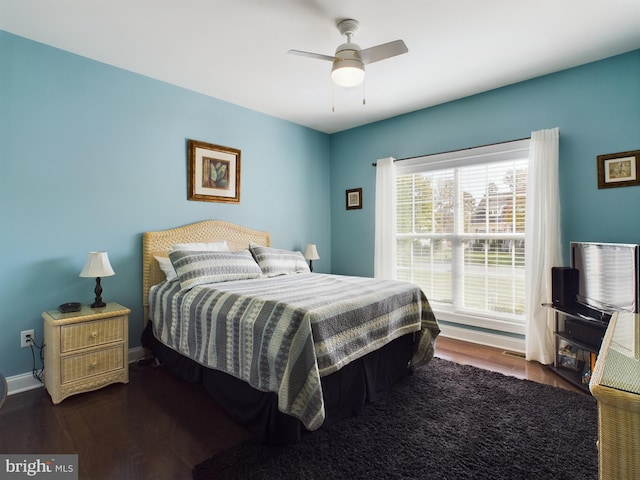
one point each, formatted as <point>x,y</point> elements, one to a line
<point>578,337</point>
<point>582,311</point>
<point>589,313</point>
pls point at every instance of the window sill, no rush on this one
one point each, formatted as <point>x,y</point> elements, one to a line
<point>498,324</point>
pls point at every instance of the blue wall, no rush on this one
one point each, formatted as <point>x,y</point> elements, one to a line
<point>596,107</point>
<point>92,156</point>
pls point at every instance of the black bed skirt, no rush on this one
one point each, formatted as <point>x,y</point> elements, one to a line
<point>345,392</point>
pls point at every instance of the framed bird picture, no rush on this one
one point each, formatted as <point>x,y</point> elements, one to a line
<point>619,169</point>
<point>213,172</point>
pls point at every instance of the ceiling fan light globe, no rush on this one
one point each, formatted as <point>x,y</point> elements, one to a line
<point>347,73</point>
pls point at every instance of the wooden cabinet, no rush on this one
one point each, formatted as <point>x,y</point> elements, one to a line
<point>85,350</point>
<point>616,386</point>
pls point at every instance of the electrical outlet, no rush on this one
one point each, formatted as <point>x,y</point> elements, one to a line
<point>24,341</point>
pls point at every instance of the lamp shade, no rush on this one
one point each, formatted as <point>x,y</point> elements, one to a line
<point>347,72</point>
<point>97,265</point>
<point>311,252</point>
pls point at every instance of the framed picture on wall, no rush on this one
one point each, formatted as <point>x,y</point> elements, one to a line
<point>354,198</point>
<point>213,173</point>
<point>619,169</point>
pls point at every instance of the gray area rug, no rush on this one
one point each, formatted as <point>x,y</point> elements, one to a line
<point>447,421</point>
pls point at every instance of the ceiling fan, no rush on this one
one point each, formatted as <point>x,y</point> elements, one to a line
<point>349,60</point>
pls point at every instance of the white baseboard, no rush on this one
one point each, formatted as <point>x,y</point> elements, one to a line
<point>483,338</point>
<point>25,381</point>
<point>22,383</point>
<point>135,354</point>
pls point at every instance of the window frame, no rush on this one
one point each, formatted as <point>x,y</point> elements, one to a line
<point>506,151</point>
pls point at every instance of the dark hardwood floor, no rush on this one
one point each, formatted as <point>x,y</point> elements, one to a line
<point>159,427</point>
<point>500,361</point>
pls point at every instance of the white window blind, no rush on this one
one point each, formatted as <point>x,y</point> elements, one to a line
<point>460,232</point>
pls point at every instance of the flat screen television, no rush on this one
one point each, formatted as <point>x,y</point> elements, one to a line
<point>608,275</point>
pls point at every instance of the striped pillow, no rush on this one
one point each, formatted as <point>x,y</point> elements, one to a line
<point>274,262</point>
<point>198,268</point>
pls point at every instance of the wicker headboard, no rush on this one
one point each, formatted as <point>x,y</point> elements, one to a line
<point>157,244</point>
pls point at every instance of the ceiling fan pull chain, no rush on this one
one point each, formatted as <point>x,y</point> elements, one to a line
<point>333,98</point>
<point>364,102</point>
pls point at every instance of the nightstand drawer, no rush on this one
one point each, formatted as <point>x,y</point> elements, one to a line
<point>76,367</point>
<point>89,334</point>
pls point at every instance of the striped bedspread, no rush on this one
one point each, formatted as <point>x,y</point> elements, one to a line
<point>282,334</point>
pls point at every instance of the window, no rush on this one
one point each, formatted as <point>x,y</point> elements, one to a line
<point>460,233</point>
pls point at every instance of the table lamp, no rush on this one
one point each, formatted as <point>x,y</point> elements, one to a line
<point>97,266</point>
<point>311,254</point>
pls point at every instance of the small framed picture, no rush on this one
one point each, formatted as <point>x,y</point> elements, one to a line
<point>213,173</point>
<point>619,169</point>
<point>354,198</point>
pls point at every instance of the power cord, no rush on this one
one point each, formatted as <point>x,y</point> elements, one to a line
<point>38,375</point>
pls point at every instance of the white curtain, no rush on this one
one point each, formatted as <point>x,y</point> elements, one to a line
<point>543,242</point>
<point>384,264</point>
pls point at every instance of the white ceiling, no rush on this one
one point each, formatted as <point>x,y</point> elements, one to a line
<point>236,50</point>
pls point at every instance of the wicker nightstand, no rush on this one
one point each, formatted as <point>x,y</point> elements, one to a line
<point>85,350</point>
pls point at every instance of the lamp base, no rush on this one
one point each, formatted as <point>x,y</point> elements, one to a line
<point>98,291</point>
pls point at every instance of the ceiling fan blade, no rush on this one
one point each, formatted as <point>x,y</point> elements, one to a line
<point>381,52</point>
<point>318,56</point>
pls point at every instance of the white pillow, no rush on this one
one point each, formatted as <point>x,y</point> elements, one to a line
<point>201,247</point>
<point>167,267</point>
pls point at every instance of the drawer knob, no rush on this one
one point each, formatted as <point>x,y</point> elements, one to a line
<point>94,334</point>
<point>94,364</point>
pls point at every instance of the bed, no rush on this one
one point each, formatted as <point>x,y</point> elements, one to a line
<point>283,350</point>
